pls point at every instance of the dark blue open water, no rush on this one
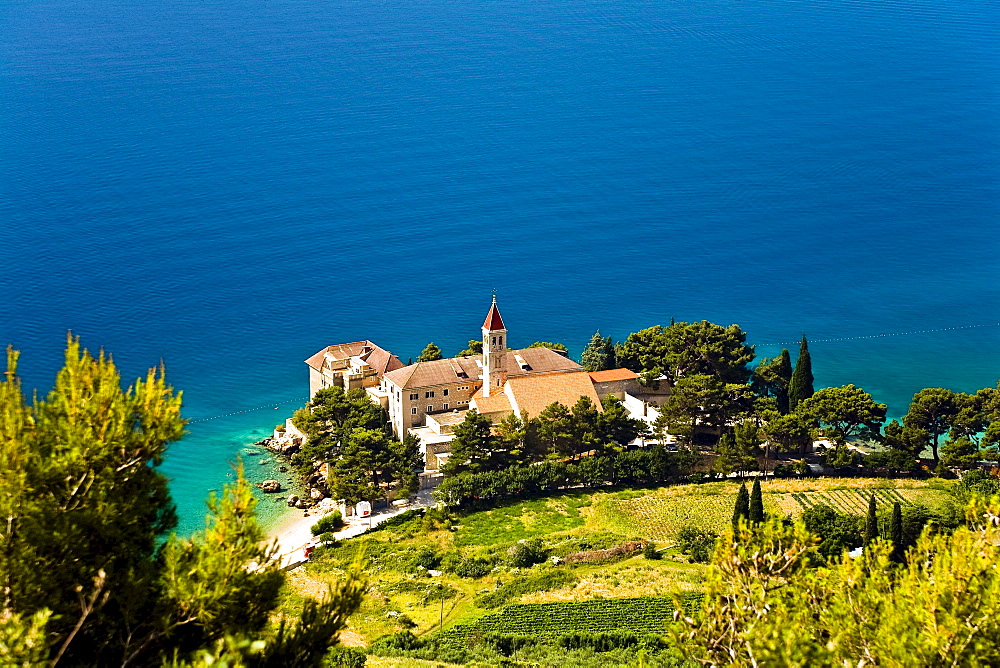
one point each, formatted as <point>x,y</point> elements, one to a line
<point>229,186</point>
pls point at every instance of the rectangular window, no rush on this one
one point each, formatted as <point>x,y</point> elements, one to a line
<point>430,408</point>
<point>445,407</point>
<point>428,395</point>
<point>413,411</point>
<point>414,396</point>
<point>445,393</point>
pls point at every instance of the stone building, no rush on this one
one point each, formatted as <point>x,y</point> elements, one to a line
<point>417,395</point>
<point>360,364</point>
<point>429,399</point>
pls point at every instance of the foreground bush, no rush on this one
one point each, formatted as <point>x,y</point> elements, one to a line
<point>89,572</point>
<point>765,606</point>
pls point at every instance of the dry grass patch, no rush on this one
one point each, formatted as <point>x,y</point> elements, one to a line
<point>632,578</point>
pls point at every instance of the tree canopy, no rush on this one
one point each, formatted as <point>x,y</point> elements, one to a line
<point>89,573</point>
<point>932,413</point>
<point>848,412</point>
<point>475,348</point>
<point>550,345</point>
<point>685,349</point>
<point>353,434</point>
<point>772,378</point>
<point>766,606</point>
<point>599,355</point>
<point>430,353</point>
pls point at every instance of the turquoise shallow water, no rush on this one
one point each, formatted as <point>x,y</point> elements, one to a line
<point>228,187</point>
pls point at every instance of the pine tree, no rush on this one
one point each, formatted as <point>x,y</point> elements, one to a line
<point>756,510</point>
<point>800,387</point>
<point>871,522</point>
<point>772,377</point>
<point>896,533</point>
<point>742,508</point>
<point>473,445</point>
<point>430,353</point>
<point>595,355</point>
<point>89,574</point>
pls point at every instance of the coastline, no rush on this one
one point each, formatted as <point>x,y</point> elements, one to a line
<point>293,533</point>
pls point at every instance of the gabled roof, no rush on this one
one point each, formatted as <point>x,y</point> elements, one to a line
<point>493,320</point>
<point>437,372</point>
<point>612,375</point>
<point>448,371</point>
<point>374,356</point>
<point>383,361</point>
<point>495,403</point>
<point>535,392</point>
<point>537,360</point>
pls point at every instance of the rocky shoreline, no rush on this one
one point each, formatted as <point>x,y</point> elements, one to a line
<point>286,444</point>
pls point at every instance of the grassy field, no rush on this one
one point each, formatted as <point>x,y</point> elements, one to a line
<point>638,615</point>
<point>403,597</point>
<point>659,514</point>
<point>528,519</point>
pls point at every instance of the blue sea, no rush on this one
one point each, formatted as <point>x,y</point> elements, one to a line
<point>227,187</point>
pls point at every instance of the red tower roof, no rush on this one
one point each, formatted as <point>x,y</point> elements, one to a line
<point>493,319</point>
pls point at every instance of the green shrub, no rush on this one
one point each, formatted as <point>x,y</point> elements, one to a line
<point>341,656</point>
<point>328,540</point>
<point>838,531</point>
<point>407,521</point>
<point>328,523</point>
<point>697,543</point>
<point>396,641</point>
<point>650,551</point>
<point>426,558</point>
<point>526,553</point>
<point>783,471</point>
<point>473,567</point>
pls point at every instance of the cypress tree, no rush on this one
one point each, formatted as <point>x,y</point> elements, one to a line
<point>800,387</point>
<point>785,374</point>
<point>742,508</point>
<point>871,522</point>
<point>896,533</point>
<point>756,510</point>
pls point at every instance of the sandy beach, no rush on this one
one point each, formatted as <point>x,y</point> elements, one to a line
<point>294,532</point>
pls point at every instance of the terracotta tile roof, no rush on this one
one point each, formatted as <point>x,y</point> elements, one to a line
<point>375,356</point>
<point>493,319</point>
<point>538,360</point>
<point>533,393</point>
<point>438,372</point>
<point>383,361</point>
<point>495,403</point>
<point>447,371</point>
<point>612,374</point>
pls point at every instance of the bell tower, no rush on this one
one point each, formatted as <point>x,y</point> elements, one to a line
<point>494,351</point>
